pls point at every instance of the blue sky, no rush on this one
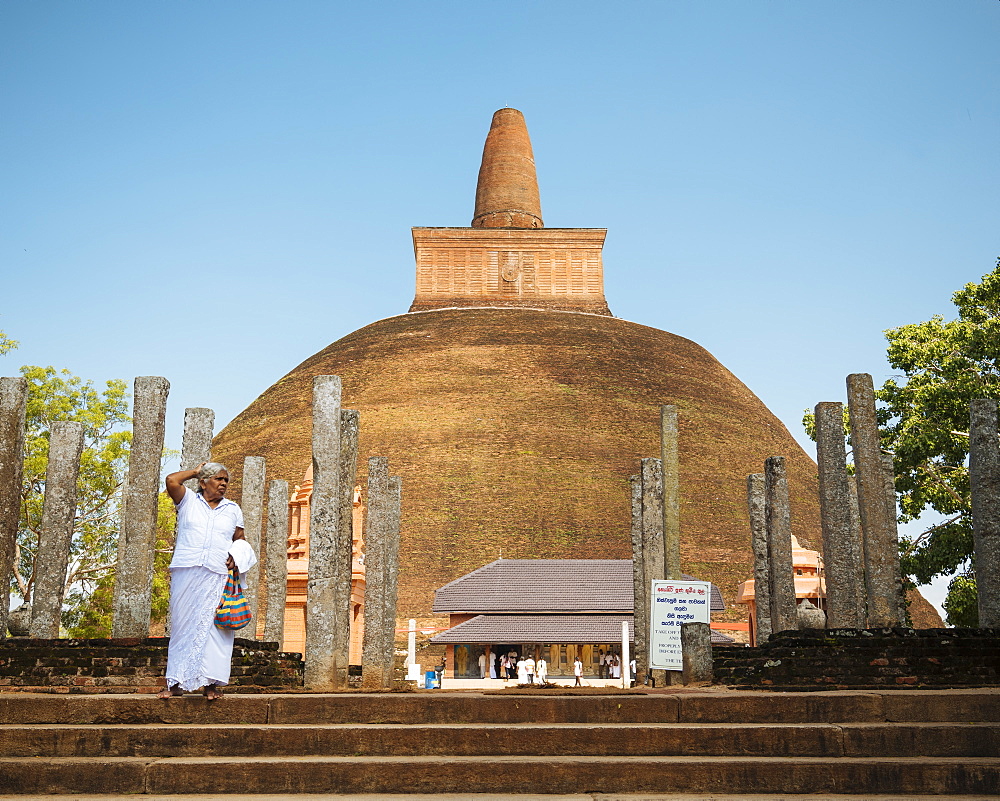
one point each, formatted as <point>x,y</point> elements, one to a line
<point>214,191</point>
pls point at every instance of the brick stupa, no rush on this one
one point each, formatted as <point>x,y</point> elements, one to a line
<point>515,407</point>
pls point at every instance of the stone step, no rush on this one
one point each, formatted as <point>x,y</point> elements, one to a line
<point>537,774</point>
<point>511,797</point>
<point>665,739</point>
<point>960,706</point>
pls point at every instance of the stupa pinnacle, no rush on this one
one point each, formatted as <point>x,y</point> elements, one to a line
<point>507,258</point>
<point>507,192</point>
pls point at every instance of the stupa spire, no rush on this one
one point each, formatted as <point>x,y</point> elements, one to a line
<point>507,192</point>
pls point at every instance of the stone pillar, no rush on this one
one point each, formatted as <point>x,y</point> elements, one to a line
<point>411,644</point>
<point>640,590</point>
<point>275,561</point>
<point>345,537</point>
<point>779,545</point>
<point>196,447</point>
<point>324,670</point>
<point>881,546</point>
<point>374,646</point>
<point>13,403</point>
<point>252,504</point>
<point>136,549</point>
<point>696,648</point>
<point>984,480</point>
<point>58,512</point>
<point>761,562</point>
<point>671,494</point>
<point>841,558</point>
<point>391,572</point>
<point>653,546</point>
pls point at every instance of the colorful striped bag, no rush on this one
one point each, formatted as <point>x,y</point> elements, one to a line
<point>234,609</point>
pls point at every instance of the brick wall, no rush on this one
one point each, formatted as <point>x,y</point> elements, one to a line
<point>834,659</point>
<point>131,665</point>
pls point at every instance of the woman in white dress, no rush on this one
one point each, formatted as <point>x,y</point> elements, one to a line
<point>200,653</point>
<point>522,671</point>
<point>542,670</point>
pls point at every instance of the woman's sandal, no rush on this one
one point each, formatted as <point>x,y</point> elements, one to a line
<point>212,692</point>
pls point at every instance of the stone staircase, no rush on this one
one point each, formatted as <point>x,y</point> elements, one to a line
<point>507,743</point>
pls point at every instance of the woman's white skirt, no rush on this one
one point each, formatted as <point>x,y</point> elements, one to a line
<point>200,653</point>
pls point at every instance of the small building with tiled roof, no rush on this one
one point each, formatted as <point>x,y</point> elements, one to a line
<point>551,608</point>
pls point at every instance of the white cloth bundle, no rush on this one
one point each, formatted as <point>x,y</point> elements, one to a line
<point>244,557</point>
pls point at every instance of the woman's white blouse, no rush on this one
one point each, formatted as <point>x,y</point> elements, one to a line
<point>204,535</point>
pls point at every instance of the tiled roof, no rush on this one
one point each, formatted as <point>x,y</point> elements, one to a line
<point>523,629</point>
<point>546,585</point>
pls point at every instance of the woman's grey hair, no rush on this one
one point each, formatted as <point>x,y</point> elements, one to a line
<point>210,469</point>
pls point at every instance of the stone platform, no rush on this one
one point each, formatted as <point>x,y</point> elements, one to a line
<point>598,743</point>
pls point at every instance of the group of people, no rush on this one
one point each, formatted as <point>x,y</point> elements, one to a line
<point>511,666</point>
<point>609,665</point>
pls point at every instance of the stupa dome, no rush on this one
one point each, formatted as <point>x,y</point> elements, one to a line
<point>514,406</point>
<point>515,431</point>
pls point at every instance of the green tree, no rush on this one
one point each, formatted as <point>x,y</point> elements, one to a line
<point>925,421</point>
<point>55,395</point>
<point>961,607</point>
<point>6,344</point>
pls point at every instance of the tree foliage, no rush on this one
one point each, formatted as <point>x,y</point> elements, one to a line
<point>961,607</point>
<point>55,395</point>
<point>925,420</point>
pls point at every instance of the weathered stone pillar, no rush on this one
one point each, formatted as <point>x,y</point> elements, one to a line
<point>761,561</point>
<point>696,647</point>
<point>779,545</point>
<point>274,560</point>
<point>640,590</point>
<point>324,671</point>
<point>393,520</point>
<point>58,512</point>
<point>345,536</point>
<point>13,403</point>
<point>653,545</point>
<point>881,546</point>
<point>196,447</point>
<point>671,493</point>
<point>136,549</point>
<point>841,558</point>
<point>374,645</point>
<point>252,504</point>
<point>984,480</point>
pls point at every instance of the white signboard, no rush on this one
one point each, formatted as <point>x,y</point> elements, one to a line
<point>671,604</point>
